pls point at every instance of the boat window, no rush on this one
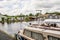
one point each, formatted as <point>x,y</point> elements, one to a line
<point>34,35</point>
<point>40,37</point>
<point>53,38</point>
<point>27,33</point>
<point>37,36</point>
<point>53,25</point>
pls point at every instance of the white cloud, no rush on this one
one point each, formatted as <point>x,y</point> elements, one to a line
<point>15,7</point>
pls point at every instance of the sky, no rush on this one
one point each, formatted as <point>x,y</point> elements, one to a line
<point>15,7</point>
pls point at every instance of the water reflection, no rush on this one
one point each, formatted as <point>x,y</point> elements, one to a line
<point>13,28</point>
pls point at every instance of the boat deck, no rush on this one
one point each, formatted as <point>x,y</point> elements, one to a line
<point>46,27</point>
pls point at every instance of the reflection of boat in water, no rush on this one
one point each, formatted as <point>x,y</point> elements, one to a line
<point>46,31</point>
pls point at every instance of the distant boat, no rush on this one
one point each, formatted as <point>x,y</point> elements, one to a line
<point>52,21</point>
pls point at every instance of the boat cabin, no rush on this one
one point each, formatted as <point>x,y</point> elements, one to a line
<point>43,32</point>
<point>52,22</point>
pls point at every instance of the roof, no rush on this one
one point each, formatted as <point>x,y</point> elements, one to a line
<point>44,30</point>
<point>52,20</point>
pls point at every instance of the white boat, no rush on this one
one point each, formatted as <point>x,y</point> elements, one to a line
<point>42,32</point>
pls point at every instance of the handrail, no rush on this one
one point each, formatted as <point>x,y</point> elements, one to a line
<point>28,38</point>
<point>49,28</point>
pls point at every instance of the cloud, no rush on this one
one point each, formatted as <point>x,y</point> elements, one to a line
<point>15,7</point>
<point>1,0</point>
<point>48,5</point>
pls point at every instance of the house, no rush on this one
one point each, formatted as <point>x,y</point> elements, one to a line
<point>42,17</point>
<point>33,18</point>
<point>52,16</point>
<point>12,18</point>
<point>20,18</point>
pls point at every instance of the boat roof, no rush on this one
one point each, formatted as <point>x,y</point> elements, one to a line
<point>51,30</point>
<point>52,21</point>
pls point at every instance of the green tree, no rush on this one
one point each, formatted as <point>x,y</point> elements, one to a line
<point>57,13</point>
<point>27,19</point>
<point>37,14</point>
<point>31,14</point>
<point>26,15</point>
<point>21,15</point>
<point>5,15</point>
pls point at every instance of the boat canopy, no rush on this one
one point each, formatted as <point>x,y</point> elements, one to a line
<point>52,21</point>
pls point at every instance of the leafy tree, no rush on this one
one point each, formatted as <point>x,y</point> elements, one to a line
<point>27,19</point>
<point>47,13</point>
<point>37,14</point>
<point>5,15</point>
<point>31,14</point>
<point>57,13</point>
<point>21,15</point>
<point>26,15</point>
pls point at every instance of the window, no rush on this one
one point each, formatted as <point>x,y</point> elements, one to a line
<point>33,35</point>
<point>37,36</point>
<point>27,33</point>
<point>40,37</point>
<point>53,38</point>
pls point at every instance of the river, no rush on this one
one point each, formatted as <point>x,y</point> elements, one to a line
<point>13,28</point>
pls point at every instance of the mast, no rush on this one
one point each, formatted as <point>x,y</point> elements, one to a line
<point>39,11</point>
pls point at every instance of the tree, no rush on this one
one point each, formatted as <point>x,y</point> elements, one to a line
<point>26,15</point>
<point>27,19</point>
<point>47,13</point>
<point>37,14</point>
<point>5,15</point>
<point>21,15</point>
<point>31,14</point>
<point>57,13</point>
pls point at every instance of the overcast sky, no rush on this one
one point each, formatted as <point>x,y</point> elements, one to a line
<point>15,7</point>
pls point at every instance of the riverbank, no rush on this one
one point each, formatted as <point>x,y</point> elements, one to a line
<point>5,36</point>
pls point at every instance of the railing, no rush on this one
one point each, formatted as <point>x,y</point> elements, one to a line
<point>23,37</point>
<point>49,28</point>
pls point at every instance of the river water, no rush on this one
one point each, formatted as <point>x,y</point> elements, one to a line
<point>13,28</point>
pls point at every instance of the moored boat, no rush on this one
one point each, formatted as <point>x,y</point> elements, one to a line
<point>41,32</point>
